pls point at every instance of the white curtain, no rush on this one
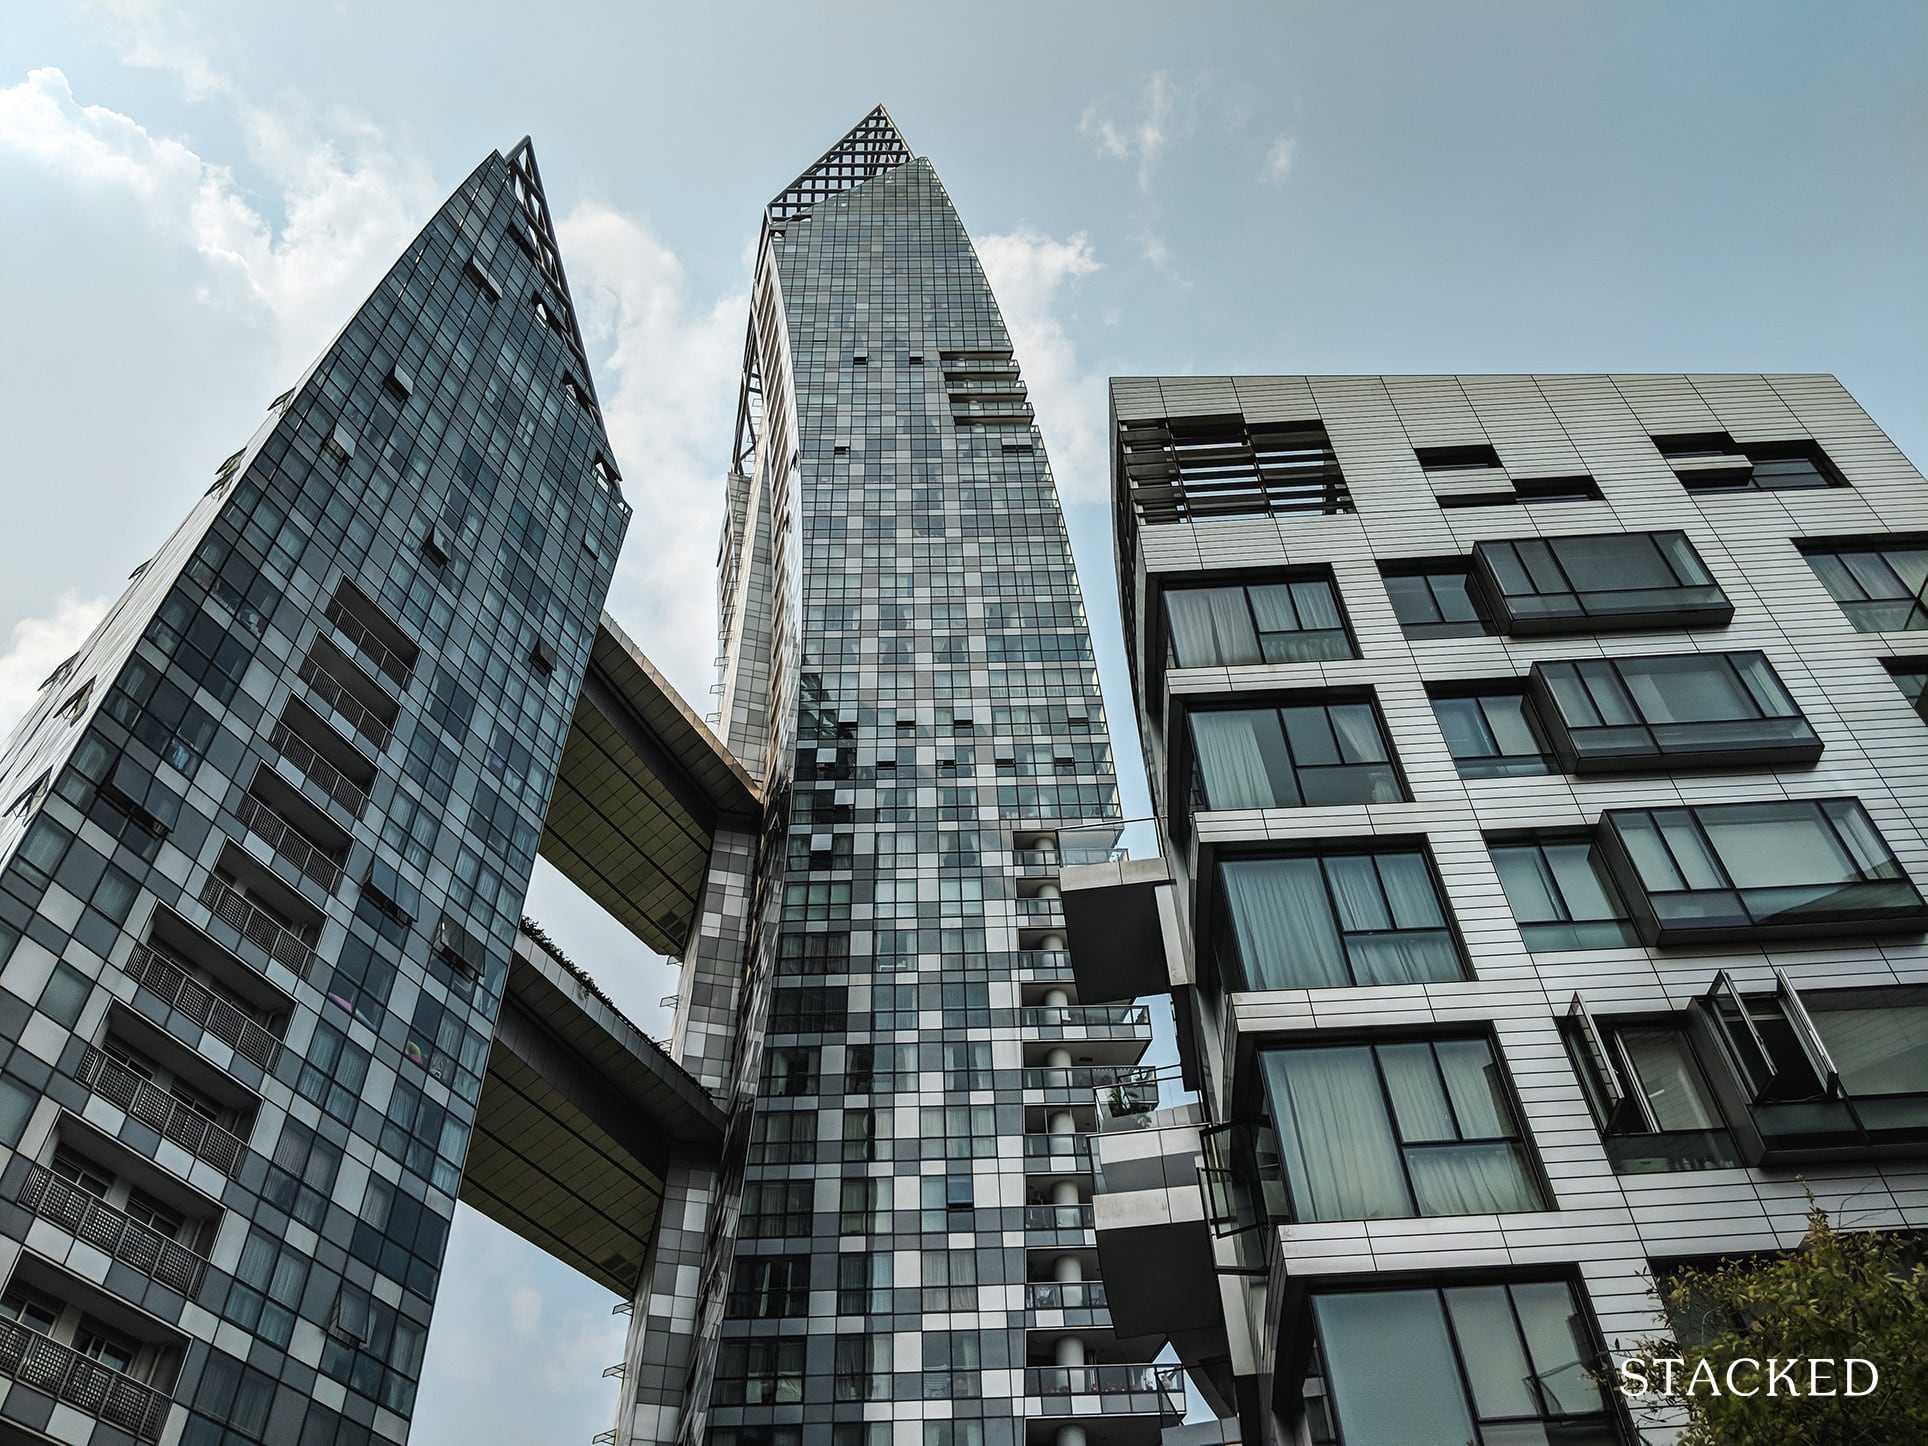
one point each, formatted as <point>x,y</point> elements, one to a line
<point>1232,762</point>
<point>1286,938</point>
<point>1210,626</point>
<point>1340,1153</point>
<point>1470,1179</point>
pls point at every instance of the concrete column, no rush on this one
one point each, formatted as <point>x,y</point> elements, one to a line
<point>1071,1436</point>
<point>1056,998</point>
<point>1059,1058</point>
<point>1067,1267</point>
<point>1047,891</point>
<point>1062,1123</point>
<point>1069,1351</point>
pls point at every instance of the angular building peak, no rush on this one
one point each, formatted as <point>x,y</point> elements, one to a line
<point>871,147</point>
<point>536,234</point>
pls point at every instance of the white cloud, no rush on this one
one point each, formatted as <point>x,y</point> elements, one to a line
<point>1033,275</point>
<point>669,398</point>
<point>525,1313</point>
<point>39,645</point>
<point>348,197</point>
<point>161,37</point>
<point>1143,136</point>
<point>1278,161</point>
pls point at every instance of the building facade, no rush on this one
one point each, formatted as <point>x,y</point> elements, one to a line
<point>1537,766</point>
<point>265,843</point>
<point>897,1245</point>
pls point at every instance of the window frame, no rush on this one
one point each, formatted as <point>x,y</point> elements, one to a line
<point>1189,772</point>
<point>1594,609</point>
<point>1621,935</point>
<point>1479,693</point>
<point>1835,548</point>
<point>1426,570</point>
<point>1621,1103</point>
<point>1167,654</point>
<point>1645,744</point>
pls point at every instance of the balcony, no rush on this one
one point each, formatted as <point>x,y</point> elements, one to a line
<point>1057,1154</point>
<point>1057,1218</point>
<point>308,858</point>
<point>1120,1390</point>
<point>366,641</point>
<point>156,1108</point>
<point>337,695</point>
<point>82,1382</point>
<point>221,1017</point>
<point>1155,1248</point>
<point>1120,918</point>
<point>1064,1295</point>
<point>88,1218</point>
<point>1041,913</point>
<point>1093,1018</point>
<point>318,770</point>
<point>257,926</point>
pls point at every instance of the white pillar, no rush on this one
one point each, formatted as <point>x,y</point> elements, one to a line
<point>1069,1351</point>
<point>1056,998</point>
<point>1059,1058</point>
<point>1067,1267</point>
<point>1071,1436</point>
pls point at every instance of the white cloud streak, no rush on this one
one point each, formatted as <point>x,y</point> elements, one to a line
<point>37,646</point>
<point>349,200</point>
<point>1034,277</point>
<point>1278,161</point>
<point>1143,137</point>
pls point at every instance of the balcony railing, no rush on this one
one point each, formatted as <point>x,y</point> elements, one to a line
<point>1057,1217</point>
<point>386,660</point>
<point>1109,842</point>
<point>1041,908</point>
<point>331,780</point>
<point>81,1381</point>
<point>327,687</point>
<point>257,926</point>
<point>1124,1389</point>
<point>219,1016</point>
<point>1077,1077</point>
<point>1057,1152</point>
<point>1045,963</point>
<point>154,1106</point>
<point>1086,1016</point>
<point>287,840</point>
<point>89,1218</point>
<point>1036,858</point>
<point>1064,1295</point>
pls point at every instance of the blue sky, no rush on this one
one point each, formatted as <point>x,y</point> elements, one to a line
<point>200,193</point>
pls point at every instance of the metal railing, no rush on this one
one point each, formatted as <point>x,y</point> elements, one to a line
<point>257,926</point>
<point>224,1018</point>
<point>1086,1016</point>
<point>332,781</point>
<point>1057,1217</point>
<point>89,1218</point>
<point>1064,1295</point>
<point>154,1106</point>
<point>81,1381</point>
<point>331,690</point>
<point>1069,1151</point>
<point>1130,1388</point>
<point>1129,1101</point>
<point>368,644</point>
<point>288,841</point>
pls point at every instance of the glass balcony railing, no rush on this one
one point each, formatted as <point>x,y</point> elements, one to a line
<point>1109,842</point>
<point>1086,1016</point>
<point>88,1218</point>
<point>1064,1295</point>
<point>1057,1153</point>
<point>1121,1390</point>
<point>1057,1217</point>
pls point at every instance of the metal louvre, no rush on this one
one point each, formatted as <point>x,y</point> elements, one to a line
<point>1195,468</point>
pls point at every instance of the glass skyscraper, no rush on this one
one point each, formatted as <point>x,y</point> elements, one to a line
<point>265,840</point>
<point>897,1248</point>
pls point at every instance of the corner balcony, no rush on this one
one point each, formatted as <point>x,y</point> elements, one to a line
<point>1155,1249</point>
<point>1134,1402</point>
<point>1120,918</point>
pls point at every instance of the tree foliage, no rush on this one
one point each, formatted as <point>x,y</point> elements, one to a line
<point>1838,1294</point>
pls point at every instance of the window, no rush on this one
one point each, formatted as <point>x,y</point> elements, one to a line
<point>775,1209</point>
<point>1827,1067</point>
<point>1280,622</point>
<point>967,1066</point>
<point>1645,1087</point>
<point>863,1283</point>
<point>783,1137</point>
<point>863,1132</point>
<point>788,1073</point>
<point>1715,462</point>
<point>957,1132</point>
<point>1304,756</point>
<point>1486,1363</point>
<point>1881,589</point>
<point>1492,733</point>
<point>1676,707</point>
<point>1433,600</point>
<point>862,1365</point>
<point>947,1201</point>
<point>1377,1132</point>
<point>769,1287</point>
<point>949,1280</point>
<point>863,1207</point>
<point>952,1360</point>
<point>1759,870</point>
<point>808,1009</point>
<point>267,1287</point>
<point>1561,895</point>
<point>764,1372</point>
<point>1329,921</point>
<point>1602,581</point>
<point>34,1311</point>
<point>1911,677</point>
